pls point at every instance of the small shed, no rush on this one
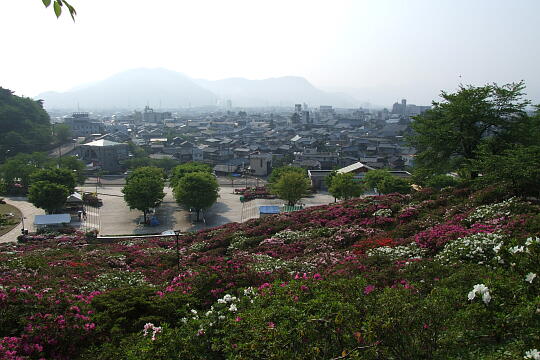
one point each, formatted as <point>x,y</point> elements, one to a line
<point>268,210</point>
<point>53,220</point>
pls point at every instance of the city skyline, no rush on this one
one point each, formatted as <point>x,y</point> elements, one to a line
<point>378,52</point>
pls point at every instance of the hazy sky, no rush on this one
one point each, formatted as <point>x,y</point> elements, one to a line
<point>378,50</point>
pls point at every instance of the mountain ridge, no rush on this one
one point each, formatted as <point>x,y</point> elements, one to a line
<point>171,89</point>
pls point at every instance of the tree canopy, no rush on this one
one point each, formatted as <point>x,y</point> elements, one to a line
<point>197,190</point>
<point>75,165</point>
<point>25,125</point>
<point>394,184</point>
<point>518,168</point>
<point>344,186</point>
<point>448,136</point>
<point>374,177</point>
<point>62,133</point>
<point>182,170</point>
<point>292,186</point>
<point>48,195</point>
<point>144,189</point>
<point>329,178</point>
<point>16,171</point>
<point>278,171</point>
<point>59,176</point>
<point>440,181</point>
<point>165,164</point>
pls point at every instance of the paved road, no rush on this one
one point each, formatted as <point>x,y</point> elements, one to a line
<point>63,150</point>
<point>28,210</point>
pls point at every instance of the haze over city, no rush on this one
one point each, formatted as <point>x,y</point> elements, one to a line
<point>374,51</point>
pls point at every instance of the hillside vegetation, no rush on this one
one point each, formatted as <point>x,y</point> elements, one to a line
<point>432,275</point>
<point>25,125</point>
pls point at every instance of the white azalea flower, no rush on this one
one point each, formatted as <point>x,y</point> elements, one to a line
<point>480,288</point>
<point>530,277</point>
<point>517,249</point>
<point>532,354</point>
<point>233,308</point>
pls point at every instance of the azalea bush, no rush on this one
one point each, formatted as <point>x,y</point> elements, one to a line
<point>447,274</point>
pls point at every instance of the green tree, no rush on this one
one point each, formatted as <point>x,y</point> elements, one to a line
<point>182,170</point>
<point>75,165</point>
<point>197,190</point>
<point>440,181</point>
<point>518,168</point>
<point>394,184</point>
<point>344,186</point>
<point>166,164</point>
<point>279,171</point>
<point>285,160</point>
<point>374,177</point>
<point>329,178</point>
<point>48,195</point>
<point>17,170</point>
<point>62,133</point>
<point>292,186</point>
<point>25,125</point>
<point>136,150</point>
<point>59,176</point>
<point>448,136</point>
<point>144,189</point>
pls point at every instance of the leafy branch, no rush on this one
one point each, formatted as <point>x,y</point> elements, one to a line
<point>57,7</point>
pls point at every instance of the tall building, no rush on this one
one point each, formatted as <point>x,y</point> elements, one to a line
<point>306,119</point>
<point>400,109</point>
<point>80,124</point>
<point>151,116</point>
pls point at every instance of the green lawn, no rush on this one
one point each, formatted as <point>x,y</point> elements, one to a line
<point>6,222</point>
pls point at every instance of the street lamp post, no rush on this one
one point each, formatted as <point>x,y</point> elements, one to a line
<point>22,230</point>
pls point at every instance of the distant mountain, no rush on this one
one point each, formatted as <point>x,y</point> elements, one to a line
<point>169,89</point>
<point>285,91</point>
<point>133,89</point>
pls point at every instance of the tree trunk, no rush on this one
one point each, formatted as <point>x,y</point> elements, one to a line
<point>144,212</point>
<point>198,211</point>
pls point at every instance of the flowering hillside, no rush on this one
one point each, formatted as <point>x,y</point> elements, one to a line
<point>449,275</point>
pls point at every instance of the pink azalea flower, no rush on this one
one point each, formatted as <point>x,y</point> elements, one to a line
<point>368,289</point>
